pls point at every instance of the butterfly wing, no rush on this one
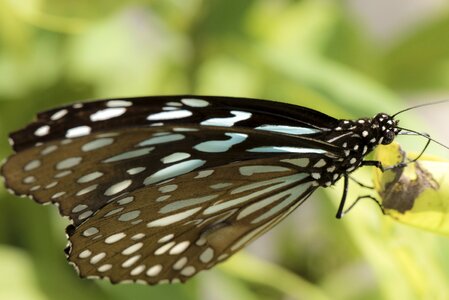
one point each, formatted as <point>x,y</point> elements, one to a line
<point>106,115</point>
<point>170,231</point>
<point>83,175</point>
<point>81,170</point>
<point>92,159</point>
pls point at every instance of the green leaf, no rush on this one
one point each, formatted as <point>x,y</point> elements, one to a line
<point>423,51</point>
<point>262,272</point>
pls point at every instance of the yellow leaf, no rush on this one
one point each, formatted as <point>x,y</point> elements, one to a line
<point>416,195</point>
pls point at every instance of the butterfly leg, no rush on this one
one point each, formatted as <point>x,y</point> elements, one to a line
<point>364,197</point>
<point>373,163</point>
<point>343,197</point>
<point>361,183</point>
<point>341,211</point>
<point>378,164</point>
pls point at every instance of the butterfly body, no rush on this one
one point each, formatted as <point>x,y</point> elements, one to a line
<point>160,188</point>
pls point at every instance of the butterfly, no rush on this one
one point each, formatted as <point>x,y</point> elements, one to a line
<point>160,188</point>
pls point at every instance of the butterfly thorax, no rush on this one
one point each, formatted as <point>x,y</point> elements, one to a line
<point>356,138</point>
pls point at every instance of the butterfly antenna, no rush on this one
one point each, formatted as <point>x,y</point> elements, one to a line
<point>405,131</point>
<point>420,105</point>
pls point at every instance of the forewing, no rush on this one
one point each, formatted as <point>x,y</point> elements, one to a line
<point>107,115</point>
<point>170,231</point>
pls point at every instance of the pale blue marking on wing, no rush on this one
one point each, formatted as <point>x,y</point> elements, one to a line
<point>288,129</point>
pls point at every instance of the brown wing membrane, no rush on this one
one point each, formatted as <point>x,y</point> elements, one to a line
<point>170,231</point>
<point>84,173</point>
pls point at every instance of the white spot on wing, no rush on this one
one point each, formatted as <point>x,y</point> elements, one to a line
<point>118,103</point>
<point>174,104</point>
<point>168,188</point>
<point>96,144</point>
<point>68,163</point>
<point>173,206</point>
<point>180,263</point>
<point>108,113</point>
<point>173,218</point>
<point>163,198</point>
<point>63,174</point>
<point>96,258</point>
<point>29,180</point>
<point>78,131</point>
<point>137,270</point>
<point>136,170</point>
<point>129,154</point>
<point>154,270</point>
<point>319,164</point>
<point>87,190</point>
<point>51,185</point>
<point>85,254</point>
<point>131,215</point>
<point>207,255</point>
<point>85,215</point>
<point>104,268</point>
<point>170,115</point>
<point>300,162</point>
<point>175,157</point>
<point>34,164</point>
<point>183,129</point>
<point>138,236</point>
<point>125,200</point>
<point>169,108</point>
<point>188,271</point>
<point>130,261</point>
<point>113,212</point>
<point>195,102</point>
<point>283,149</point>
<point>220,185</point>
<point>43,130</point>
<point>174,170</point>
<point>58,195</point>
<point>89,177</point>
<point>133,248</point>
<point>221,146</point>
<point>90,231</point>
<point>229,121</point>
<point>162,249</point>
<point>49,149</point>
<point>114,238</point>
<point>204,174</point>
<point>166,238</point>
<point>179,248</point>
<point>250,170</point>
<point>288,129</point>
<point>162,139</point>
<point>79,207</point>
<point>59,114</point>
<point>118,187</point>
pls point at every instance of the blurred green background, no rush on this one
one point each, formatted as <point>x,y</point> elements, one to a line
<point>346,58</point>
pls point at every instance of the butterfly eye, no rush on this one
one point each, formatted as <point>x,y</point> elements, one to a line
<point>161,188</point>
<point>388,137</point>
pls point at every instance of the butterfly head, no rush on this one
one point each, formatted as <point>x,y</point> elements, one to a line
<point>388,128</point>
